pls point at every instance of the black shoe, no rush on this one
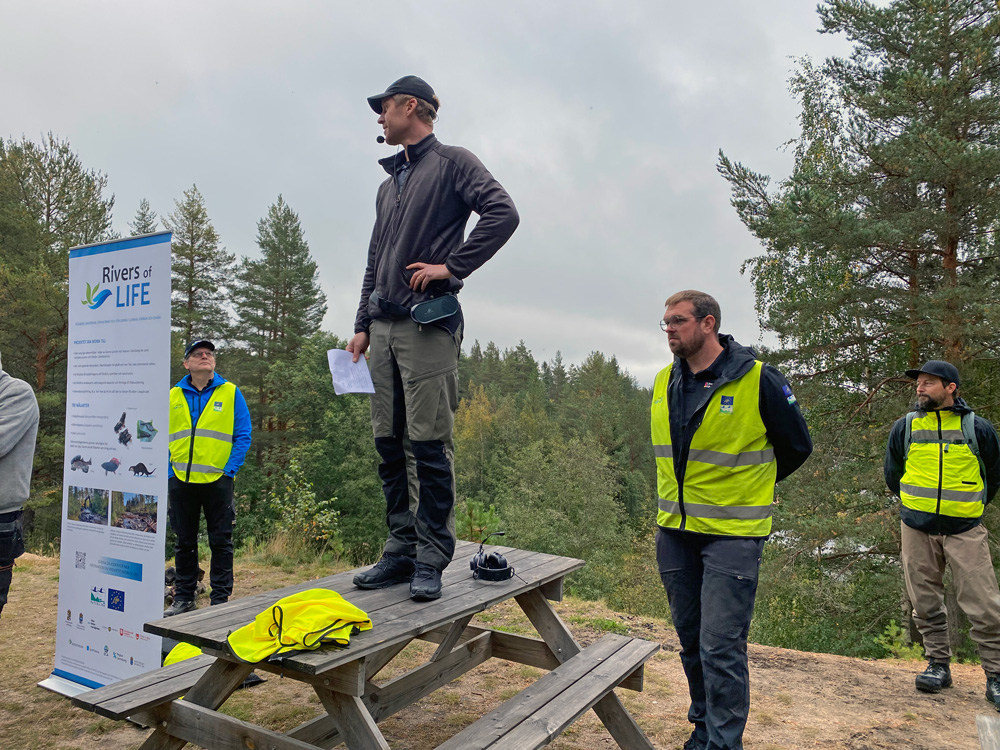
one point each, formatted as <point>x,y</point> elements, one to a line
<point>696,742</point>
<point>179,607</point>
<point>934,678</point>
<point>426,583</point>
<point>993,689</point>
<point>388,571</point>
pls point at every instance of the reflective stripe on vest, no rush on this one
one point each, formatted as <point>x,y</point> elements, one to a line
<point>730,472</point>
<point>199,454</point>
<point>942,473</point>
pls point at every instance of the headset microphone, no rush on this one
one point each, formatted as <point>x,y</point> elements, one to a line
<point>380,139</point>
<point>490,566</point>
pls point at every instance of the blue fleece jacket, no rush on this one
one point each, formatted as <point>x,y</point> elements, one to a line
<point>241,419</point>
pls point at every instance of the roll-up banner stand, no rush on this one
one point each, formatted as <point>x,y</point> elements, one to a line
<point>114,504</point>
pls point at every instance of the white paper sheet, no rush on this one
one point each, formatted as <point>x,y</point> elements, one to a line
<point>348,376</point>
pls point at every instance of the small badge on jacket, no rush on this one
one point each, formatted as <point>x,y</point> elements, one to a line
<point>727,405</point>
<point>218,405</point>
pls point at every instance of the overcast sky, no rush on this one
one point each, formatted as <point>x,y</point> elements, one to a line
<point>602,119</point>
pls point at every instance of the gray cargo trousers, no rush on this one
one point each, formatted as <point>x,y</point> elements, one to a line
<point>924,559</point>
<point>415,372</point>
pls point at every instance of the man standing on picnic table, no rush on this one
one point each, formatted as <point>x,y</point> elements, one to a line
<point>726,427</point>
<point>410,317</point>
<point>943,461</point>
<point>209,438</point>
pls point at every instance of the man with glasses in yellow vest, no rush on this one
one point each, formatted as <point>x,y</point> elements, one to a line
<point>943,460</point>
<point>209,438</point>
<point>725,427</point>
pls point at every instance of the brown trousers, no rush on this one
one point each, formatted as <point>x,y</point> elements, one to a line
<point>924,559</point>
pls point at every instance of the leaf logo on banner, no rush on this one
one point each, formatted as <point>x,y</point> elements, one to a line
<point>92,302</point>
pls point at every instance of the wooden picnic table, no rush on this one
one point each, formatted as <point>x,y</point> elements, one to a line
<point>344,678</point>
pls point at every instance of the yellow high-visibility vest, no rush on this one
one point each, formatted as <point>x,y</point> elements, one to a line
<point>729,477</point>
<point>300,622</point>
<point>942,473</point>
<point>199,453</point>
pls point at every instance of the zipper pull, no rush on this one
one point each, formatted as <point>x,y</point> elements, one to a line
<point>946,447</point>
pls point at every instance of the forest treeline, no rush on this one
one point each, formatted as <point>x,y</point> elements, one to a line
<point>880,250</point>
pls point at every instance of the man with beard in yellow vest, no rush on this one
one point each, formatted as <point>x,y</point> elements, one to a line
<point>209,438</point>
<point>943,460</point>
<point>725,427</point>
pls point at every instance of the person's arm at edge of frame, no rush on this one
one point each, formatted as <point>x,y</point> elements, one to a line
<point>358,344</point>
<point>786,427</point>
<point>241,435</point>
<point>498,218</point>
<point>18,412</point>
<point>895,461</point>
<point>989,451</point>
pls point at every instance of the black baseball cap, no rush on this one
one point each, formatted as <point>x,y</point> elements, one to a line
<point>412,85</point>
<point>202,343</point>
<point>939,368</point>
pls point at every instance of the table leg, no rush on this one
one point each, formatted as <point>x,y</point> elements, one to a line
<point>553,630</point>
<point>356,725</point>
<point>211,691</point>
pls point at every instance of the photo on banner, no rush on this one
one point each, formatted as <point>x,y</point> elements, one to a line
<point>111,558</point>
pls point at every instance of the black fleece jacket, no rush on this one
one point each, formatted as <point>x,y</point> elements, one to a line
<point>895,467</point>
<point>424,221</point>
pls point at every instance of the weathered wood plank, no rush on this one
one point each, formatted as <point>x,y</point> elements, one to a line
<point>571,704</point>
<point>989,731</point>
<point>554,632</point>
<point>211,691</point>
<point>188,722</point>
<point>123,698</point>
<point>522,649</point>
<point>353,720</point>
<point>451,637</point>
<point>540,712</point>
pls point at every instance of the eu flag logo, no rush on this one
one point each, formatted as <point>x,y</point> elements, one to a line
<point>116,600</point>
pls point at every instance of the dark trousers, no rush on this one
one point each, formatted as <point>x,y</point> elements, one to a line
<point>711,583</point>
<point>415,372</point>
<point>11,548</point>
<point>187,501</point>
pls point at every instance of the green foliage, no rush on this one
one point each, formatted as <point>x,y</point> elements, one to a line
<point>145,221</point>
<point>200,272</point>
<point>895,642</point>
<point>879,251</point>
<point>300,514</point>
<point>475,520</point>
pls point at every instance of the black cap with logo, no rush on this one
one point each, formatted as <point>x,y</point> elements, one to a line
<point>412,85</point>
<point>203,343</point>
<point>939,368</point>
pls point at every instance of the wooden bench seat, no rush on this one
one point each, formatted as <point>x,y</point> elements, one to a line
<point>127,697</point>
<point>540,712</point>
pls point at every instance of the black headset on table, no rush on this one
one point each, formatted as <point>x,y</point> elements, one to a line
<point>490,566</point>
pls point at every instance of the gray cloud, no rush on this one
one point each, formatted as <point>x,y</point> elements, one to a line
<point>602,119</point>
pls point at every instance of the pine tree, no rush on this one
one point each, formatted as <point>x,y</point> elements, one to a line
<point>145,221</point>
<point>201,271</point>
<point>279,304</point>
<point>880,251</point>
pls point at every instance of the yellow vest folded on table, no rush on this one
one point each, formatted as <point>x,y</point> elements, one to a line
<point>300,622</point>
<point>730,472</point>
<point>198,453</point>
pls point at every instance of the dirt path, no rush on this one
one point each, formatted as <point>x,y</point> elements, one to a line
<point>799,700</point>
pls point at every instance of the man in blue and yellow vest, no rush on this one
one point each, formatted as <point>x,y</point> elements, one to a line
<point>943,460</point>
<point>209,438</point>
<point>725,428</point>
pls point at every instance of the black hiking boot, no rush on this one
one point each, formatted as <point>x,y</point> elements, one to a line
<point>179,607</point>
<point>993,689</point>
<point>388,571</point>
<point>936,677</point>
<point>426,583</point>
